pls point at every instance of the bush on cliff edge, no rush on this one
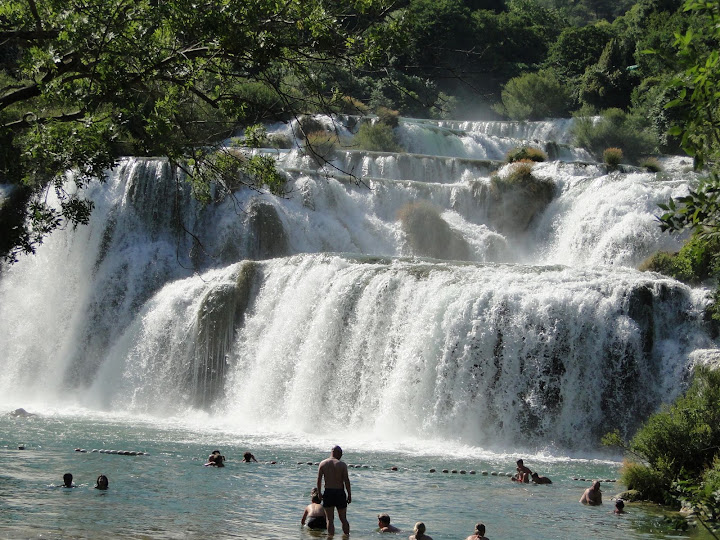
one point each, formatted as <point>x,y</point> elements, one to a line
<point>678,444</point>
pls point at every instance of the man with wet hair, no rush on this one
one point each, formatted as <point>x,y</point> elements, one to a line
<point>337,481</point>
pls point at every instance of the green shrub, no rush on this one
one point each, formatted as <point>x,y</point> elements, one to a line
<point>535,96</point>
<point>651,484</point>
<point>694,263</point>
<point>520,177</point>
<point>651,164</point>
<point>349,105</point>
<point>261,101</point>
<point>376,137</point>
<point>668,264</point>
<point>683,439</point>
<point>256,136</point>
<point>520,174</point>
<point>388,116</point>
<point>320,144</point>
<point>612,157</point>
<point>615,129</point>
<point>711,477</point>
<point>517,197</point>
<point>279,141</point>
<point>525,153</point>
<point>308,124</point>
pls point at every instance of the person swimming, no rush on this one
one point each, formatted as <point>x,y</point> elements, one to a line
<point>215,460</point>
<point>619,507</point>
<point>537,479</point>
<point>314,513</point>
<point>419,532</point>
<point>479,533</point>
<point>248,457</point>
<point>102,482</point>
<point>68,480</point>
<point>384,524</point>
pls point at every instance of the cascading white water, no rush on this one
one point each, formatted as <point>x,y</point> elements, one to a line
<point>545,334</point>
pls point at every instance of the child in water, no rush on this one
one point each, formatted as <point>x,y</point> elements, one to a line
<point>619,507</point>
<point>314,512</point>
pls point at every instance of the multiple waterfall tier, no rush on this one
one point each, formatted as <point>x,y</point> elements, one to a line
<point>400,291</point>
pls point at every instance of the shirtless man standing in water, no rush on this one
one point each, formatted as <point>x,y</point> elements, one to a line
<point>336,482</point>
<point>592,495</point>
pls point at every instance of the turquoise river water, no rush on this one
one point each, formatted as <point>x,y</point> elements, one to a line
<point>170,494</point>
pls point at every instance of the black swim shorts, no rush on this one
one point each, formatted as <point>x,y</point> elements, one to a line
<point>334,497</point>
<point>317,522</point>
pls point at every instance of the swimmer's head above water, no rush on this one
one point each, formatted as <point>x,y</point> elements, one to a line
<point>102,482</point>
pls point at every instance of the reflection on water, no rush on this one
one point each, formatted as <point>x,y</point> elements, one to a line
<point>169,494</point>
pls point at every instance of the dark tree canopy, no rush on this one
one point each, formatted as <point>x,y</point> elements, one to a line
<point>83,82</point>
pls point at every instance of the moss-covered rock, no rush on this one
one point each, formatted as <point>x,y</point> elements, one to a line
<point>517,197</point>
<point>429,235</point>
<point>631,495</point>
<point>220,316</point>
<point>266,231</point>
<point>525,153</point>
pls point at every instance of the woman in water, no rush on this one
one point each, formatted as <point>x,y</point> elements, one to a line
<point>102,482</point>
<point>314,512</point>
<point>479,533</point>
<point>419,532</point>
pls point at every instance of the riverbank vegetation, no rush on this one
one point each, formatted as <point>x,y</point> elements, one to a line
<point>674,459</point>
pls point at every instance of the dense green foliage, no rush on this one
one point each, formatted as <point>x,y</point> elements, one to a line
<point>683,439</point>
<point>649,482</point>
<point>84,82</point>
<point>534,96</point>
<point>679,449</point>
<point>377,137</point>
<point>614,129</point>
<point>526,153</point>
<point>698,120</point>
<point>694,263</point>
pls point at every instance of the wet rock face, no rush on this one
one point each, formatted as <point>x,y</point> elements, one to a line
<point>269,239</point>
<point>516,199</point>
<point>219,319</point>
<point>429,235</point>
<point>631,495</point>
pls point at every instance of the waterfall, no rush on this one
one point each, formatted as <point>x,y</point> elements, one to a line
<point>389,291</point>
